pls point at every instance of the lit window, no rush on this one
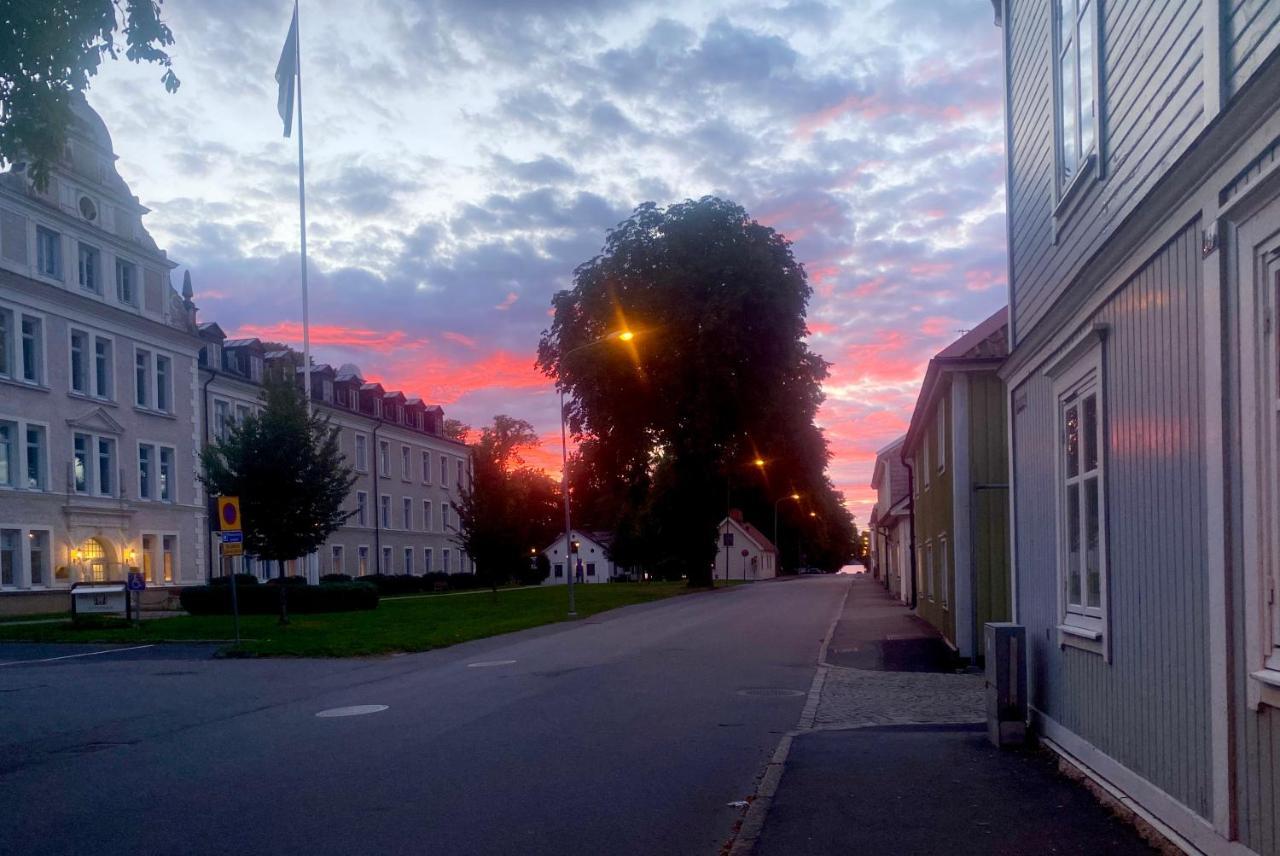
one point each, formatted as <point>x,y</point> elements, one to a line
<point>80,462</point>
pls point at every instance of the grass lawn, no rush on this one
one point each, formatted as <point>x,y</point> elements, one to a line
<point>408,624</point>
<point>35,616</point>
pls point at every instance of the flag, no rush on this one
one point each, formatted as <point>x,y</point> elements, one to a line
<point>287,74</point>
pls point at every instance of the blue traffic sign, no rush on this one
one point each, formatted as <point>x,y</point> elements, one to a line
<point>137,582</point>
<point>235,536</point>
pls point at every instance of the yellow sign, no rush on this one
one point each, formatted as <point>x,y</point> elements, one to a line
<point>236,549</point>
<point>229,513</point>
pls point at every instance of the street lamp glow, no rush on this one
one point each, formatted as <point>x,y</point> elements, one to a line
<point>759,462</point>
<point>795,496</point>
<point>813,514</point>
<point>626,336</point>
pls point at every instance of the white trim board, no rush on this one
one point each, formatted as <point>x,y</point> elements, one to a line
<point>1186,829</point>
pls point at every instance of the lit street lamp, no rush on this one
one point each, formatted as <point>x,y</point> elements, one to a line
<point>615,336</point>
<point>794,497</point>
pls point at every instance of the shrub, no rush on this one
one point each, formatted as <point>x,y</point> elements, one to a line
<point>241,580</point>
<point>335,578</point>
<point>289,581</point>
<point>262,600</point>
<point>464,582</point>
<point>430,580</point>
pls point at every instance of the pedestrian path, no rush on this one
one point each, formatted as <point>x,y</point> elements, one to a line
<point>894,759</point>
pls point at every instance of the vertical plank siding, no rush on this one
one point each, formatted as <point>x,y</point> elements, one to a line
<point>1151,109</point>
<point>934,518</point>
<point>1149,706</point>
<point>1251,32</point>
<point>989,469</point>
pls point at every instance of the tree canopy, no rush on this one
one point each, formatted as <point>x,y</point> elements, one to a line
<point>509,508</point>
<point>717,376</point>
<point>50,49</point>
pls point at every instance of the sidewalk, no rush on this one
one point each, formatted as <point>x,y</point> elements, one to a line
<point>895,759</point>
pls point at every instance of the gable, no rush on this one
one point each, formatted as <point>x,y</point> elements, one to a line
<point>97,421</point>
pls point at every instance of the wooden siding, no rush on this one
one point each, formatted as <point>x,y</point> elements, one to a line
<point>934,513</point>
<point>1151,108</point>
<point>1251,31</point>
<point>1148,707</point>
<point>989,468</point>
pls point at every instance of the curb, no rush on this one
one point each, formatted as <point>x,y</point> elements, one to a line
<point>748,833</point>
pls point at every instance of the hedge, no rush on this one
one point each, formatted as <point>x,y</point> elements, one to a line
<point>265,600</point>
<point>241,580</point>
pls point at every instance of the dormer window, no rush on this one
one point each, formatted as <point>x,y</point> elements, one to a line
<point>255,368</point>
<point>327,390</point>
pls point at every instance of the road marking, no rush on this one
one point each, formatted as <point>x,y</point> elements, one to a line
<point>352,710</point>
<point>73,656</point>
<point>483,664</point>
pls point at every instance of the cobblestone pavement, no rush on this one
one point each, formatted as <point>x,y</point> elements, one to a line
<point>857,697</point>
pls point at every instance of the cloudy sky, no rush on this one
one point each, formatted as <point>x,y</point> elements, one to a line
<point>463,156</point>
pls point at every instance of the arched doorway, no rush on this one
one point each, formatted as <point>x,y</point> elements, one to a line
<point>94,561</point>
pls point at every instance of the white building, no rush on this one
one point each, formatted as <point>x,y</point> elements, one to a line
<point>891,523</point>
<point>591,550</point>
<point>743,552</point>
<point>99,432</point>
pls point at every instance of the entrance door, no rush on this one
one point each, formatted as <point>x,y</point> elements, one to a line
<point>94,556</point>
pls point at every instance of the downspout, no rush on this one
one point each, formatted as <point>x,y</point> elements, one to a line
<point>208,553</point>
<point>911,513</point>
<point>377,501</point>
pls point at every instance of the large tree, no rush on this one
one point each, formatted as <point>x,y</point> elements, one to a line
<point>509,508</point>
<point>718,376</point>
<point>49,49</point>
<point>292,479</point>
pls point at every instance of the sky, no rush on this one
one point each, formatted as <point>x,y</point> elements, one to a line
<point>464,156</point>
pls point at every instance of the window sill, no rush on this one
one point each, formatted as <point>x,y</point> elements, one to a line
<point>1265,688</point>
<point>91,399</point>
<point>1082,633</point>
<point>163,414</point>
<point>24,384</point>
<point>1071,195</point>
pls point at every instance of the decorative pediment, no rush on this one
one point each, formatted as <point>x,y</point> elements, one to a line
<point>97,421</point>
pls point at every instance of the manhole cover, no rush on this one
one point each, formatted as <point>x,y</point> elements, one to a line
<point>353,710</point>
<point>770,692</point>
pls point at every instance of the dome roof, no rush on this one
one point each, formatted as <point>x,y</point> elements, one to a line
<point>86,123</point>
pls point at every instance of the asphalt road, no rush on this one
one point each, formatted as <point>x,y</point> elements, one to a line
<point>629,732</point>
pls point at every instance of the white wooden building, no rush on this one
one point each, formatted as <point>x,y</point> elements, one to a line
<point>750,556</point>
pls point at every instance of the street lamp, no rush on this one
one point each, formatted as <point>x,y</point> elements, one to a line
<point>794,497</point>
<point>615,336</point>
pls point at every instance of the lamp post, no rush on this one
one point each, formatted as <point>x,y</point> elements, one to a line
<point>615,336</point>
<point>795,497</point>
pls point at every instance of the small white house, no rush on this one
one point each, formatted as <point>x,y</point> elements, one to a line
<point>590,551</point>
<point>743,552</point>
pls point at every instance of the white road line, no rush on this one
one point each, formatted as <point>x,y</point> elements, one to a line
<point>486,663</point>
<point>73,656</point>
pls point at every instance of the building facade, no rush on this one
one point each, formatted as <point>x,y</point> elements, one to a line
<point>889,543</point>
<point>99,430</point>
<point>955,450</point>
<point>751,556</point>
<point>1143,173</point>
<point>409,475</point>
<point>589,548</point>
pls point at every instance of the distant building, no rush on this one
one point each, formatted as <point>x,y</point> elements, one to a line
<point>591,550</point>
<point>99,432</point>
<point>890,530</point>
<point>955,449</point>
<point>751,556</point>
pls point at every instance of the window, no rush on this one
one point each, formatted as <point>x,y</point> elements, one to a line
<point>941,432</point>
<point>426,560</point>
<point>384,511</point>
<point>336,565</point>
<point>426,515</point>
<point>168,489</point>
<point>362,453</point>
<point>106,465</point>
<point>38,544</point>
<point>1077,106</point>
<point>444,471</point>
<point>148,558</point>
<point>169,556</point>
<point>408,514</point>
<point>79,362</point>
<point>444,517</point>
<point>944,584</point>
<point>126,282</point>
<point>146,476</point>
<point>221,419</point>
<point>426,468</point>
<point>385,567</point>
<point>1081,498</point>
<point>404,462</point>
<point>142,378</point>
<point>48,252</point>
<point>8,453</point>
<point>90,269</point>
<point>930,582</point>
<point>32,349</point>
<point>6,343</point>
<point>408,560</point>
<point>80,462</point>
<point>384,459</point>
<point>591,569</point>
<point>559,570</point>
<point>163,394</point>
<point>9,556</point>
<point>444,560</point>
<point>362,504</point>
<point>242,413</point>
<point>925,469</point>
<point>362,561</point>
<point>35,457</point>
<point>103,376</point>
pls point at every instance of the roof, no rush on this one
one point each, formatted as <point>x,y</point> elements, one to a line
<point>277,355</point>
<point>983,346</point>
<point>242,343</point>
<point>210,329</point>
<point>752,532</point>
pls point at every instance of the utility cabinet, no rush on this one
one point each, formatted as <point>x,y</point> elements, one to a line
<point>1006,659</point>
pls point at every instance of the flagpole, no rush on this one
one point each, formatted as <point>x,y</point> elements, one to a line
<point>302,219</point>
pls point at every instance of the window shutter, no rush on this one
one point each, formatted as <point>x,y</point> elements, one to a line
<point>13,237</point>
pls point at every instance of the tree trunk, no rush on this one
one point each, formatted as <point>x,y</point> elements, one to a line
<point>284,588</point>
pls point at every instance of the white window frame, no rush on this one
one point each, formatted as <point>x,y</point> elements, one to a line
<point>406,513</point>
<point>426,466</point>
<point>360,449</point>
<point>109,394</point>
<point>221,418</point>
<point>59,263</point>
<point>24,425</point>
<point>132,299</point>
<point>426,515</point>
<point>408,560</point>
<point>386,567</point>
<point>426,560</point>
<point>152,381</point>
<point>384,511</point>
<point>944,584</point>
<point>87,366</point>
<point>337,559</point>
<point>384,459</point>
<point>1087,159</point>
<point>406,462</point>
<point>362,508</point>
<point>19,368</point>
<point>1076,376</point>
<point>362,560</point>
<point>930,581</point>
<point>941,431</point>
<point>85,249</point>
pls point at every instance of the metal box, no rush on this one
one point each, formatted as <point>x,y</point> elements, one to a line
<point>1006,653</point>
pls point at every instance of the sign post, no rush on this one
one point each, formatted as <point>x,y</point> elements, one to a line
<point>232,545</point>
<point>136,585</point>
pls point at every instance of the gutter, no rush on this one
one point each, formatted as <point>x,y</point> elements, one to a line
<point>204,404</point>
<point>377,501</point>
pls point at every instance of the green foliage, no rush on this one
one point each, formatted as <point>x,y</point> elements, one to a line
<point>241,580</point>
<point>718,374</point>
<point>289,473</point>
<point>264,600</point>
<point>49,49</point>
<point>509,508</point>
<point>456,429</point>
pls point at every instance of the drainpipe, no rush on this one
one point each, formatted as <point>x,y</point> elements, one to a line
<point>911,513</point>
<point>377,502</point>
<point>208,553</point>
